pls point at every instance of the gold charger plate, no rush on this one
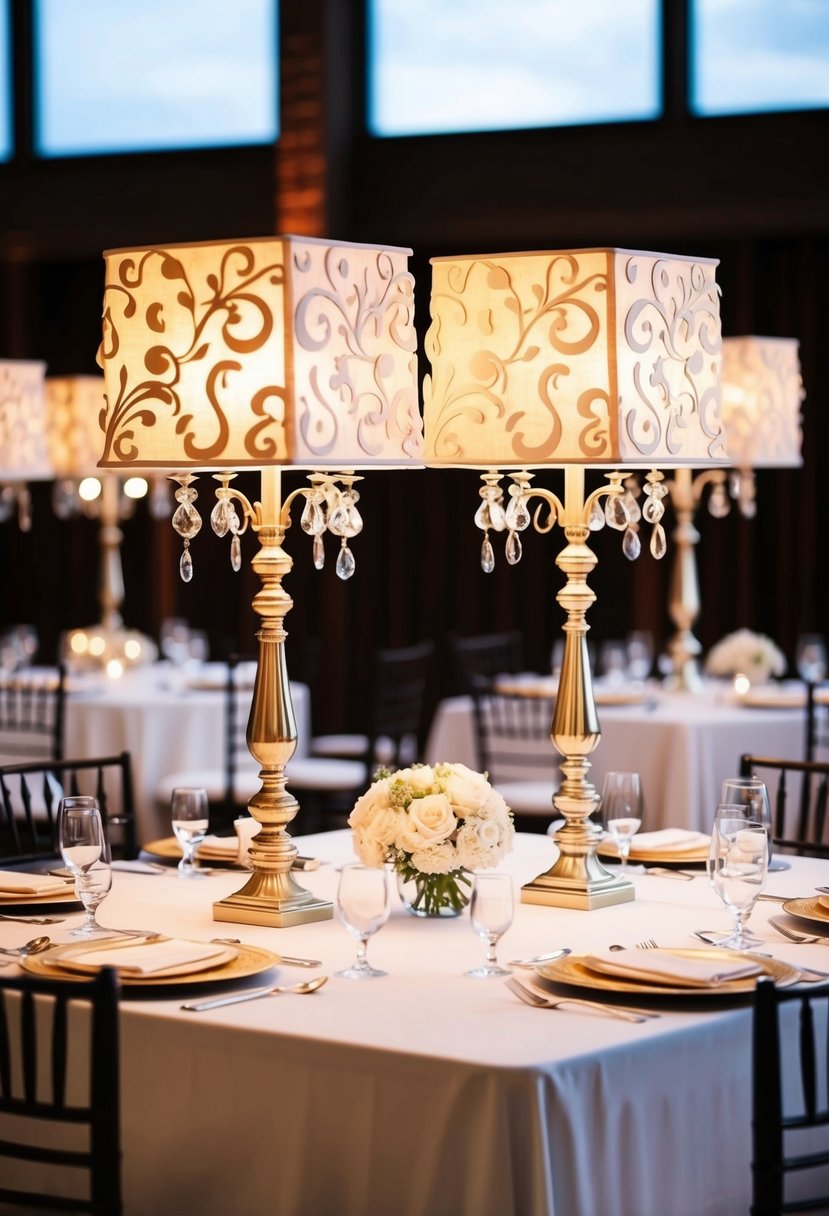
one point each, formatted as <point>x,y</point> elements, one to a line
<point>168,849</point>
<point>66,901</point>
<point>808,909</point>
<point>248,960</point>
<point>572,970</point>
<point>659,857</point>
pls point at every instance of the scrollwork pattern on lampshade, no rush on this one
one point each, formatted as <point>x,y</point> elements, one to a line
<point>597,356</point>
<point>23,452</point>
<point>280,350</point>
<point>762,396</point>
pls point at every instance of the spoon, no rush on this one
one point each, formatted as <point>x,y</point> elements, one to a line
<point>33,947</point>
<point>300,989</point>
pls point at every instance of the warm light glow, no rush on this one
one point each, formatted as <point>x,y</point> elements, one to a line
<point>23,449</point>
<point>132,649</point>
<point>74,405</point>
<point>741,684</point>
<point>270,351</point>
<point>595,357</point>
<point>115,668</point>
<point>762,393</point>
<point>97,645</point>
<point>136,487</point>
<point>89,489</point>
<point>79,643</point>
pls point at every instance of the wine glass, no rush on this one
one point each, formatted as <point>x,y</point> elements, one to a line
<point>639,647</point>
<point>613,662</point>
<point>492,911</point>
<point>810,658</point>
<point>188,808</point>
<point>85,852</point>
<point>752,794</point>
<point>363,904</point>
<point>621,809</point>
<point>737,863</point>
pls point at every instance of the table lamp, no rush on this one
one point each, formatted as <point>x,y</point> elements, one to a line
<point>24,454</point>
<point>587,358</point>
<point>74,405</point>
<point>762,392</point>
<point>265,353</point>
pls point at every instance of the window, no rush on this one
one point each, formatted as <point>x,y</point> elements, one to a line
<point>118,76</point>
<point>478,65</point>
<point>6,136</point>
<point>750,56</point>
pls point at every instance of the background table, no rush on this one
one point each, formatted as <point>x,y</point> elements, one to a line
<point>167,721</point>
<point>428,1093</point>
<point>682,744</point>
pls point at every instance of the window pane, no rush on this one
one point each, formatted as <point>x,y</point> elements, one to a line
<point>756,55</point>
<point>119,76</point>
<point>483,65</point>
<point>6,136</point>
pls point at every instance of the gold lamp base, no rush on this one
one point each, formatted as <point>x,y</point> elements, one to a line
<point>269,900</point>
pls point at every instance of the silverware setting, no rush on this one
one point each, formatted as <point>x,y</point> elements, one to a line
<point>535,959</point>
<point>794,935</point>
<point>35,920</point>
<point>287,959</point>
<point>665,872</point>
<point>530,996</point>
<point>302,989</point>
<point>35,946</point>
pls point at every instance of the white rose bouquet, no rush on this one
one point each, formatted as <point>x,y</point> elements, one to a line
<point>434,824</point>
<point>751,654</point>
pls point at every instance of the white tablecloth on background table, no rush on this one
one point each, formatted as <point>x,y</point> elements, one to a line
<point>682,744</point>
<point>167,726</point>
<point>427,1093</point>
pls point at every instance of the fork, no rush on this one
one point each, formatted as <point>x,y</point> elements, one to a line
<point>531,997</point>
<point>647,944</point>
<point>794,935</point>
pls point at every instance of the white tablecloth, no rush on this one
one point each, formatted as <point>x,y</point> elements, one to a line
<point>428,1093</point>
<point>682,744</point>
<point>167,725</point>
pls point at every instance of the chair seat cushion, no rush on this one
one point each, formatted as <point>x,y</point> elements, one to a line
<point>528,797</point>
<point>320,773</point>
<point>339,745</point>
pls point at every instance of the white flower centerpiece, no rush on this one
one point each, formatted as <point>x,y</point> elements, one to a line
<point>743,652</point>
<point>434,824</point>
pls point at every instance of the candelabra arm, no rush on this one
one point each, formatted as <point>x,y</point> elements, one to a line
<point>577,879</point>
<point>272,896</point>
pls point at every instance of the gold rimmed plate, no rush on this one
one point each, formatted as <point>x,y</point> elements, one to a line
<point>808,909</point>
<point>246,961</point>
<point>66,901</point>
<point>168,849</point>
<point>572,970</point>
<point>657,857</point>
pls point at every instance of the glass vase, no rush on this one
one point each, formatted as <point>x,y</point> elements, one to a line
<point>434,894</point>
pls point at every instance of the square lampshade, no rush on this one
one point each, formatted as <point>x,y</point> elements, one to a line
<point>74,405</point>
<point>24,454</point>
<point>762,392</point>
<point>605,357</point>
<point>280,350</point>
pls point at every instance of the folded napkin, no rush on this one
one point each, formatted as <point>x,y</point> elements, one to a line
<point>673,970</point>
<point>669,840</point>
<point>219,846</point>
<point>147,958</point>
<point>12,882</point>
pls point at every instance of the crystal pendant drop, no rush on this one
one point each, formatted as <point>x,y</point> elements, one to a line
<point>186,564</point>
<point>346,564</point>
<point>236,553</point>
<point>631,544</point>
<point>319,551</point>
<point>487,556</point>
<point>718,504</point>
<point>632,506</point>
<point>517,515</point>
<point>659,546</point>
<point>616,512</point>
<point>186,520</point>
<point>312,519</point>
<point>482,517</point>
<point>514,549</point>
<point>653,510</point>
<point>595,520</point>
<point>219,519</point>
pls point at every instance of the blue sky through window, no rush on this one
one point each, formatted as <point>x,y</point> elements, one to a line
<point>751,56</point>
<point>6,136</point>
<point>477,65</point>
<point>119,76</point>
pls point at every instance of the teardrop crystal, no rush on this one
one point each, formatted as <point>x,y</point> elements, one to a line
<point>514,549</point>
<point>219,521</point>
<point>518,517</point>
<point>718,504</point>
<point>319,551</point>
<point>616,513</point>
<point>631,544</point>
<point>659,545</point>
<point>346,564</point>
<point>482,517</point>
<point>312,519</point>
<point>595,520</point>
<point>632,506</point>
<point>236,553</point>
<point>487,556</point>
<point>186,565</point>
<point>186,520</point>
<point>653,510</point>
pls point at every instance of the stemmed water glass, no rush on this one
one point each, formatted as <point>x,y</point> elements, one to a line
<point>492,911</point>
<point>737,863</point>
<point>363,904</point>
<point>85,852</point>
<point>188,809</point>
<point>621,809</point>
<point>810,658</point>
<point>752,794</point>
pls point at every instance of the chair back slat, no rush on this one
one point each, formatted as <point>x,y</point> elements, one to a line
<point>32,714</point>
<point>28,1045</point>
<point>809,833</point>
<point>808,1059</point>
<point>401,678</point>
<point>511,733</point>
<point>485,655</point>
